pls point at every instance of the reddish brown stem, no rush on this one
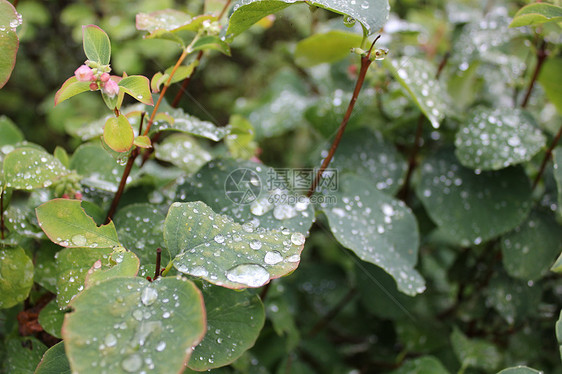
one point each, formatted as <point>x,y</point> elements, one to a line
<point>15,3</point>
<point>365,63</point>
<point>122,183</point>
<point>158,263</point>
<point>143,114</point>
<point>541,57</point>
<point>547,157</point>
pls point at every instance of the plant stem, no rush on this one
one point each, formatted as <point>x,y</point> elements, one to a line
<point>122,183</point>
<point>541,57</point>
<point>2,227</point>
<point>403,193</point>
<point>333,313</point>
<point>547,157</point>
<point>15,4</point>
<point>158,263</point>
<point>365,63</point>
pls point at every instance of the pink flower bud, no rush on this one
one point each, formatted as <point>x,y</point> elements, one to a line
<point>104,77</point>
<point>94,86</point>
<point>78,195</point>
<point>84,73</point>
<point>111,88</point>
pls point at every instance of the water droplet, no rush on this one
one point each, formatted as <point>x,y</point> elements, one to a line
<point>79,240</point>
<point>110,340</point>
<point>294,258</point>
<point>161,346</point>
<point>137,314</point>
<point>348,21</point>
<point>251,275</point>
<point>149,296</point>
<point>255,244</point>
<point>199,271</point>
<point>282,212</point>
<point>219,238</point>
<point>272,258</point>
<point>132,363</point>
<point>297,238</point>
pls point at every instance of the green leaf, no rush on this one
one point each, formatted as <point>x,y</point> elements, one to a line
<point>9,133</point>
<point>16,276</point>
<point>142,141</point>
<point>557,267</point>
<point>378,228</point>
<point>118,134</point>
<point>138,87</point>
<point>422,365</point>
<point>134,325</point>
<point>140,228</point>
<point>550,79</point>
<point>240,141</point>
<point>470,207</point>
<point>73,265</point>
<point>97,168</point>
<point>530,249</point>
<point>475,353</point>
<point>519,370</point>
<point>66,223</point>
<point>51,318</point>
<point>327,47</point>
<point>372,14</point>
<point>558,327</point>
<point>54,361</point>
<point>183,151</point>
<point>22,355</point>
<point>493,139</point>
<point>167,19</point>
<point>120,264</point>
<point>250,193</point>
<point>71,87</point>
<point>189,124</point>
<point>9,42</point>
<point>417,77</point>
<point>211,42</point>
<point>557,171</point>
<point>366,154</point>
<point>537,14</point>
<point>234,322</point>
<point>46,268</point>
<point>61,154</point>
<point>29,168</point>
<point>96,44</point>
<point>225,253</point>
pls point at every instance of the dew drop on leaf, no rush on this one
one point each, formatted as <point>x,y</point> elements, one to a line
<point>132,363</point>
<point>251,275</point>
<point>255,244</point>
<point>149,296</point>
<point>272,258</point>
<point>297,238</point>
<point>79,240</point>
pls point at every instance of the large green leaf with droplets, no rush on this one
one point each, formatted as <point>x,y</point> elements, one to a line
<point>493,139</point>
<point>537,14</point>
<point>378,228</point>
<point>186,123</point>
<point>16,276</point>
<point>29,168</point>
<point>372,14</point>
<point>134,325</point>
<point>234,322</point>
<point>417,77</point>
<point>225,253</point>
<point>66,223</point>
<point>54,361</point>
<point>251,192</point>
<point>531,248</point>
<point>183,151</point>
<point>470,207</point>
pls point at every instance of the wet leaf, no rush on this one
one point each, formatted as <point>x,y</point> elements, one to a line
<point>240,141</point>
<point>119,264</point>
<point>46,268</point>
<point>183,151</point>
<point>530,249</point>
<point>66,223</point>
<point>9,132</point>
<point>16,276</point>
<point>211,42</point>
<point>71,87</point>
<point>250,193</point>
<point>493,139</point>
<point>536,14</point>
<point>520,370</point>
<point>142,141</point>
<point>94,128</point>
<point>327,47</point>
<point>10,19</point>
<point>73,265</point>
<point>134,325</point>
<point>225,253</point>
<point>138,87</point>
<point>558,328</point>
<point>372,14</point>
<point>557,168</point>
<point>54,361</point>
<point>140,228</point>
<point>97,46</point>
<point>29,168</point>
<point>189,124</point>
<point>470,207</point>
<point>417,77</point>
<point>118,134</point>
<point>550,79</point>
<point>378,228</point>
<point>234,322</point>
<point>476,353</point>
<point>50,318</point>
<point>22,354</point>
<point>422,365</point>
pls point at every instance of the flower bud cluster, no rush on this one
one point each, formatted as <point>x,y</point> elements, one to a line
<point>99,77</point>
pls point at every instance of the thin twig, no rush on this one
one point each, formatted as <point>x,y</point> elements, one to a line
<point>122,183</point>
<point>541,57</point>
<point>365,63</point>
<point>547,157</point>
<point>332,313</point>
<point>157,272</point>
